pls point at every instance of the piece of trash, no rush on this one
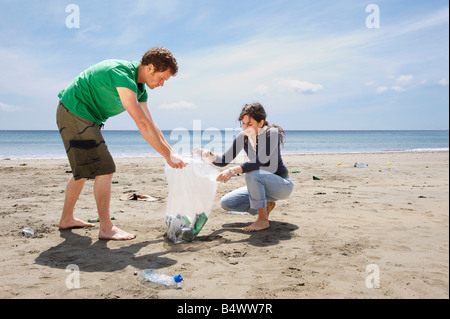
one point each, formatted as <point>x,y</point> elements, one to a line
<point>28,232</point>
<point>68,172</point>
<point>389,163</point>
<point>295,172</point>
<point>23,164</point>
<point>361,165</point>
<point>151,275</point>
<point>339,163</point>
<point>183,230</point>
<point>238,213</point>
<point>199,223</point>
<point>115,182</point>
<point>315,178</point>
<point>134,196</point>
<point>96,220</point>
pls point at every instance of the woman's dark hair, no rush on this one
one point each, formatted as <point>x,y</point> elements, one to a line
<point>256,111</point>
<point>162,59</point>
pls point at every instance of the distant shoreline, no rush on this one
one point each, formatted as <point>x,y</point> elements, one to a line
<point>283,154</point>
<point>122,144</point>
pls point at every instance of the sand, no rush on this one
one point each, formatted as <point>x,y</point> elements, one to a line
<point>376,232</point>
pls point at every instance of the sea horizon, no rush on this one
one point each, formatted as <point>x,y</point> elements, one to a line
<point>46,144</point>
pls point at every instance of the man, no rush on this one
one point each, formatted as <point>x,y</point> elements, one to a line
<point>104,90</point>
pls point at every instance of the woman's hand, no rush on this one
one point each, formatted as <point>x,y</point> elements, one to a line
<point>224,176</point>
<point>204,154</point>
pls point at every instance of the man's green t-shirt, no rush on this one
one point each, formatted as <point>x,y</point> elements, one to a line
<point>93,94</point>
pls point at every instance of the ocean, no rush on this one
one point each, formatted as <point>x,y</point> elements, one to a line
<point>48,144</point>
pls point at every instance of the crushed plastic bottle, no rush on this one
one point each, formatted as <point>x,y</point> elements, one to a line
<point>151,275</point>
<point>361,165</point>
<point>181,229</point>
<point>28,232</point>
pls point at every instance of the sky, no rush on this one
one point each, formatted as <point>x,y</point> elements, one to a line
<point>313,65</point>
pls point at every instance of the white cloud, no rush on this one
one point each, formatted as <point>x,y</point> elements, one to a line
<point>382,89</point>
<point>177,105</point>
<point>301,86</point>
<point>398,89</point>
<point>404,79</point>
<point>401,82</point>
<point>9,108</point>
<point>262,89</point>
<point>443,82</point>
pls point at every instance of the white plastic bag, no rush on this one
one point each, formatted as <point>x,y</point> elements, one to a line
<point>192,191</point>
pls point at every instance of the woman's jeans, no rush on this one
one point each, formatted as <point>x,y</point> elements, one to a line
<point>262,186</point>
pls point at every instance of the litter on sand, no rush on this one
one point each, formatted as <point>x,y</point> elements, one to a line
<point>134,196</point>
<point>28,232</point>
<point>96,220</point>
<point>239,213</point>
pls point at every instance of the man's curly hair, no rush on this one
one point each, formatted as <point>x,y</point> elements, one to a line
<point>162,59</point>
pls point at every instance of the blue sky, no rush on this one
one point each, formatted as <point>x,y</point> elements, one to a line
<point>314,65</point>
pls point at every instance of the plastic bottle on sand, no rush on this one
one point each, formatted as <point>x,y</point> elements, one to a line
<point>152,275</point>
<point>28,232</point>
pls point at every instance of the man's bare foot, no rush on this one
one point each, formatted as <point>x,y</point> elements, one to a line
<point>115,233</point>
<point>73,223</point>
<point>257,226</point>
<point>270,206</point>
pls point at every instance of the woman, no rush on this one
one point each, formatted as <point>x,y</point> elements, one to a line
<point>266,177</point>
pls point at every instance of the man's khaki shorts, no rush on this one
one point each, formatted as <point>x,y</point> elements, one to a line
<point>85,147</point>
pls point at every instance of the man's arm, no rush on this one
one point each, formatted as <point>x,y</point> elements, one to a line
<point>148,129</point>
<point>158,130</point>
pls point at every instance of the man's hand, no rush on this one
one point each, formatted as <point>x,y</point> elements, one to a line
<point>175,161</point>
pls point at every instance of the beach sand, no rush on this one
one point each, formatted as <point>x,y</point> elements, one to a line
<point>391,219</point>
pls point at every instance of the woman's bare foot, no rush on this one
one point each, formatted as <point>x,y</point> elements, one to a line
<point>261,223</point>
<point>73,223</point>
<point>114,233</point>
<point>257,226</point>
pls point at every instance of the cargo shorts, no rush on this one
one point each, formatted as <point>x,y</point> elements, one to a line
<point>85,147</point>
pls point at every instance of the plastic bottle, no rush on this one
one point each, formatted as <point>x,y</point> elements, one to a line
<point>178,228</point>
<point>181,229</point>
<point>152,275</point>
<point>199,223</point>
<point>28,232</point>
<point>361,165</point>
